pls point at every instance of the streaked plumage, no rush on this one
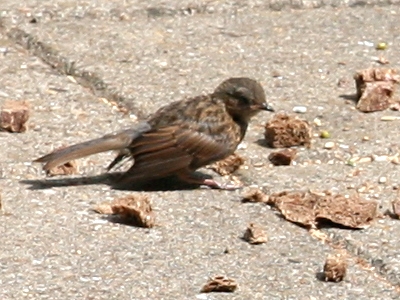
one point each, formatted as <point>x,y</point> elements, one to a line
<point>180,137</point>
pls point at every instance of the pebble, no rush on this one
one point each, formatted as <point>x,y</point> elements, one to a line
<point>317,122</point>
<point>380,158</point>
<point>329,145</point>
<point>365,159</point>
<point>258,164</point>
<point>382,179</point>
<point>395,160</point>
<point>390,118</point>
<point>300,109</point>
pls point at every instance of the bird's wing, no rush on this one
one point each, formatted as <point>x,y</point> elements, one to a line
<point>168,150</point>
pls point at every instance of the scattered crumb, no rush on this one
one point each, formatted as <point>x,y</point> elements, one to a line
<point>14,115</point>
<point>255,195</point>
<point>335,267</point>
<point>287,131</point>
<point>69,168</point>
<point>283,157</point>
<point>342,82</point>
<point>375,88</point>
<point>228,165</point>
<point>396,208</point>
<point>382,60</point>
<point>319,235</point>
<point>134,209</point>
<point>103,208</point>
<point>219,284</point>
<point>310,208</point>
<point>395,106</point>
<point>119,107</point>
<point>255,235</point>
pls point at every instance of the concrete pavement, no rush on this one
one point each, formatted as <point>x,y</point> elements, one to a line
<point>71,59</point>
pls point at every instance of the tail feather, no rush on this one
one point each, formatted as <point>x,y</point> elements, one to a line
<point>108,142</point>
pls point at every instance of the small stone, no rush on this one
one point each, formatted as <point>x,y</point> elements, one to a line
<point>380,158</point>
<point>395,160</point>
<point>382,179</point>
<point>300,109</point>
<point>390,118</point>
<point>317,122</point>
<point>258,164</point>
<point>365,159</point>
<point>365,138</point>
<point>329,145</point>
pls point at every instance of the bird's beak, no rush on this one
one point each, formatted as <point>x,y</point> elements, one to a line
<point>264,106</point>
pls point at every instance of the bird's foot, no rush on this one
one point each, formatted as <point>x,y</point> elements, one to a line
<point>221,186</point>
<point>208,181</point>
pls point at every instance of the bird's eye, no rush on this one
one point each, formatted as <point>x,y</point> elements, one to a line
<point>243,94</point>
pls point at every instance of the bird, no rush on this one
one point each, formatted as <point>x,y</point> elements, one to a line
<point>180,137</point>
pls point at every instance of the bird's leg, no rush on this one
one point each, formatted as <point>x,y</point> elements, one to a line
<point>194,178</point>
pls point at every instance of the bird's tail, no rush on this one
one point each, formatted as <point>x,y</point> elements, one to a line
<point>108,142</point>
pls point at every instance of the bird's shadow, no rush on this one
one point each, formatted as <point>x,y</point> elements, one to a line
<point>111,179</point>
<point>262,143</point>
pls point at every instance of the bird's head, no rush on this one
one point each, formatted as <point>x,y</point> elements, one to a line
<point>243,97</point>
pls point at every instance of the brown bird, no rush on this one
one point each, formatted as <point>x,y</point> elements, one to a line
<point>180,137</point>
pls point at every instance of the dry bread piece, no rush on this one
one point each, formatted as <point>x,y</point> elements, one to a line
<point>286,131</point>
<point>228,165</point>
<point>69,168</point>
<point>14,116</point>
<point>375,88</point>
<point>335,267</point>
<point>283,157</point>
<point>255,195</point>
<point>135,209</point>
<point>255,235</point>
<point>219,284</point>
<point>310,208</point>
